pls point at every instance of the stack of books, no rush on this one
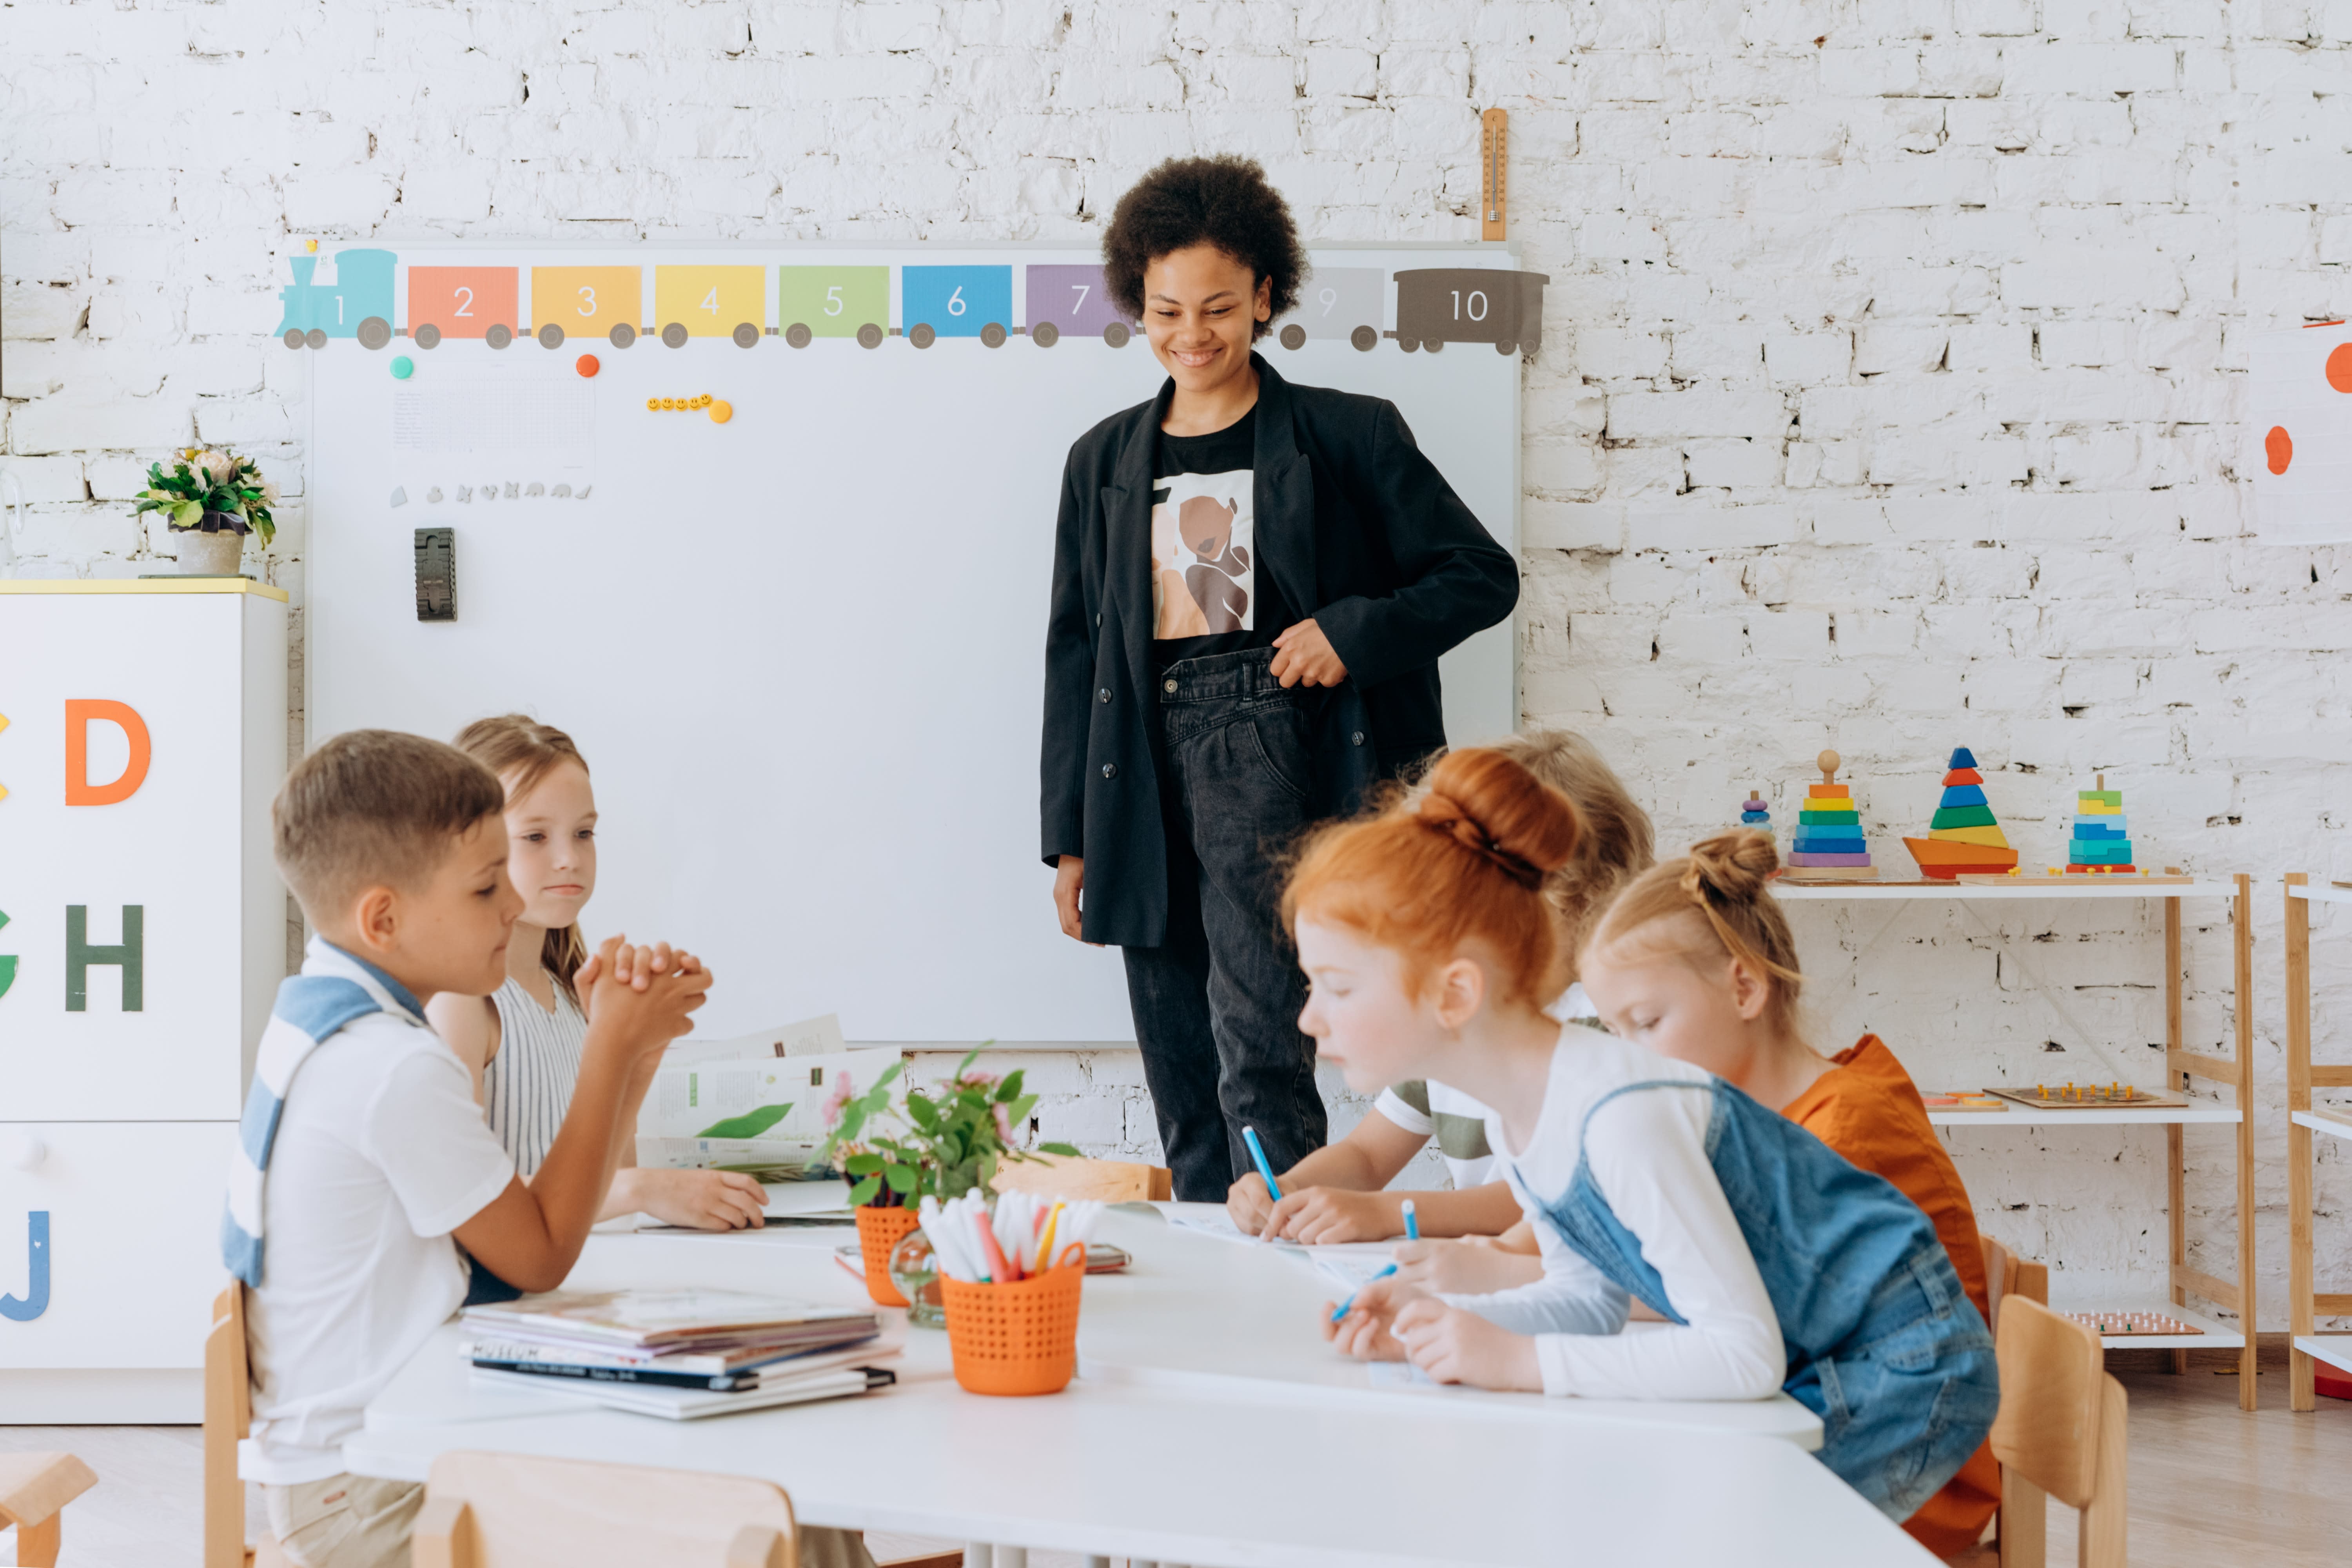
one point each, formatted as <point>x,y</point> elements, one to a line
<point>679,1353</point>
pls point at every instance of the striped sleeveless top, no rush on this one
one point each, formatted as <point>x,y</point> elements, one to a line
<point>529,1082</point>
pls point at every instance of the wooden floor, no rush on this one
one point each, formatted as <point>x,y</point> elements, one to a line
<point>2210,1484</point>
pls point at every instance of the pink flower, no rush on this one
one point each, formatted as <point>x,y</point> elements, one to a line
<point>1003,1124</point>
<point>842,1092</point>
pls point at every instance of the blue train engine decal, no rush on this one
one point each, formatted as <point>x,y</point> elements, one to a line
<point>357,304</point>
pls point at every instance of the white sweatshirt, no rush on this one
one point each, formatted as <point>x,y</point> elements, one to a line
<point>1648,1155</point>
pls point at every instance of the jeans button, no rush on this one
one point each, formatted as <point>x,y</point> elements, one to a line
<point>1110,770</point>
<point>1104,694</point>
<point>1357,739</point>
<point>1169,687</point>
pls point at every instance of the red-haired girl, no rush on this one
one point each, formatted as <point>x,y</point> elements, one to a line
<point>1774,1263</point>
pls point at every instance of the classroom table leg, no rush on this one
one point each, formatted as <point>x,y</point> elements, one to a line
<point>1098,1562</point>
<point>1011,1557</point>
<point>978,1554</point>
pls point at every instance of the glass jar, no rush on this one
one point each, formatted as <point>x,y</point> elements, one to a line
<point>916,1274</point>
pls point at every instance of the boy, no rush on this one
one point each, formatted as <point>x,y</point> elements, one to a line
<point>363,1153</point>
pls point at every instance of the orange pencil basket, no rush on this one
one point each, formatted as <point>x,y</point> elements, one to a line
<point>879,1230</point>
<point>1021,1338</point>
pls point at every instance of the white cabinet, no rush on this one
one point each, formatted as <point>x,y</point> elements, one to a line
<point>143,736</point>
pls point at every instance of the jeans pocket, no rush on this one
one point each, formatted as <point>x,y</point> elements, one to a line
<point>1281,735</point>
<point>1835,1415</point>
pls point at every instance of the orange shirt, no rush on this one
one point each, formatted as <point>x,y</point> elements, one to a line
<point>1867,1109</point>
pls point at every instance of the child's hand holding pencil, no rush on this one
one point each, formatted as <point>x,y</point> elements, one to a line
<point>1361,1326</point>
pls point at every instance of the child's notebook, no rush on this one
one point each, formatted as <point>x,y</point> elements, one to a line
<point>688,1404</point>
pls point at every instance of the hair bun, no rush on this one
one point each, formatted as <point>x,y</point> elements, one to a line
<point>1491,805</point>
<point>1733,867</point>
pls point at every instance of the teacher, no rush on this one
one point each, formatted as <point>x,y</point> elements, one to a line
<point>1252,582</point>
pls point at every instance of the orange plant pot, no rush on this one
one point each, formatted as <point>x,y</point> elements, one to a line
<point>878,1231</point>
<point>1016,1339</point>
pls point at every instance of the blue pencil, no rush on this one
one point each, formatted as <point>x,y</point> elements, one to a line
<point>1341,1311</point>
<point>1249,1136</point>
<point>1411,1222</point>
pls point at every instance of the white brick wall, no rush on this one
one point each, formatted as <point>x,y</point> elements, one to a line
<point>1889,397</point>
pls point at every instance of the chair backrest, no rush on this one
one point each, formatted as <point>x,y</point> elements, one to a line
<point>1106,1181</point>
<point>2006,1274</point>
<point>2062,1430</point>
<point>517,1511</point>
<point>228,1415</point>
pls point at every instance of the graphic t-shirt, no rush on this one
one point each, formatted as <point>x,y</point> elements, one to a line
<point>1207,594</point>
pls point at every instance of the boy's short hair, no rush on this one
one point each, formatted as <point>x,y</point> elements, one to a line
<point>1223,201</point>
<point>374,807</point>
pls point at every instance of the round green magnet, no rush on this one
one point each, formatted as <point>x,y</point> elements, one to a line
<point>403,368</point>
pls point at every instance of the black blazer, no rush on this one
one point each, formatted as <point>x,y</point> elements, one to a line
<point>1359,530</point>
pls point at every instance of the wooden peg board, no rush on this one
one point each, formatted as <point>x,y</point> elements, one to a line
<point>1494,174</point>
<point>2129,1325</point>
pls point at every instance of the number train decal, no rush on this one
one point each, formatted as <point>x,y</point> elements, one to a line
<point>1435,306</point>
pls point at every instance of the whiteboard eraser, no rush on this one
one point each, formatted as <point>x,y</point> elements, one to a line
<point>436,573</point>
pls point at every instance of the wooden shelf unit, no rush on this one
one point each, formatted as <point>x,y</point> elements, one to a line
<point>2182,1065</point>
<point>2305,1304</point>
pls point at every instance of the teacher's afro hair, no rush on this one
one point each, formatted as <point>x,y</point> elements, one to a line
<point>1223,201</point>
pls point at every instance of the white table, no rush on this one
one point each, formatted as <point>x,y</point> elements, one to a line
<point>1238,1441</point>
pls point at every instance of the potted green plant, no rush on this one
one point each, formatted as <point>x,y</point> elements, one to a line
<point>211,500</point>
<point>898,1144</point>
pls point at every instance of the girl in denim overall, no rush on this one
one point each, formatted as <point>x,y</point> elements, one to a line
<point>1773,1263</point>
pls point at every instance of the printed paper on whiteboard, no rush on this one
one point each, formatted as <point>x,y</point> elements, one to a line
<point>496,436</point>
<point>2299,436</point>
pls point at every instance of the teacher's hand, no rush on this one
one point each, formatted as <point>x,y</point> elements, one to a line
<point>1303,655</point>
<point>1069,880</point>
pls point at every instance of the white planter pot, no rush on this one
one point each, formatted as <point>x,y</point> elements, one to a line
<point>205,554</point>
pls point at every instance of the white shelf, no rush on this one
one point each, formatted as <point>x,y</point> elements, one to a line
<point>2088,887</point>
<point>2217,1336</point>
<point>2336,1350</point>
<point>2329,1125</point>
<point>2097,1117</point>
<point>2319,892</point>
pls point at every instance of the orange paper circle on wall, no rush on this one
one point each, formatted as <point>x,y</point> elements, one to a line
<point>2279,446</point>
<point>587,365</point>
<point>720,412</point>
<point>2340,368</point>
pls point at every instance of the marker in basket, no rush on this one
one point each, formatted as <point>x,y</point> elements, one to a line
<point>1341,1310</point>
<point>1411,1222</point>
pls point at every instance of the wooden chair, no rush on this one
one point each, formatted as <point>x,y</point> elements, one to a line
<point>2061,1433</point>
<point>516,1510</point>
<point>1106,1181</point>
<point>33,1492</point>
<point>2006,1275</point>
<point>229,1416</point>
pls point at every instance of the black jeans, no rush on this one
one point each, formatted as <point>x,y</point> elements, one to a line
<point>1216,1005</point>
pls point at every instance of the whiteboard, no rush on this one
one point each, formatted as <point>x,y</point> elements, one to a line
<point>802,651</point>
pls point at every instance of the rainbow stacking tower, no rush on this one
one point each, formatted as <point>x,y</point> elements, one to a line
<point>2100,844</point>
<point>1754,813</point>
<point>1829,845</point>
<point>1964,835</point>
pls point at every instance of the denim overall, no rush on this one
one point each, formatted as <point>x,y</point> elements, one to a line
<point>1883,1343</point>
